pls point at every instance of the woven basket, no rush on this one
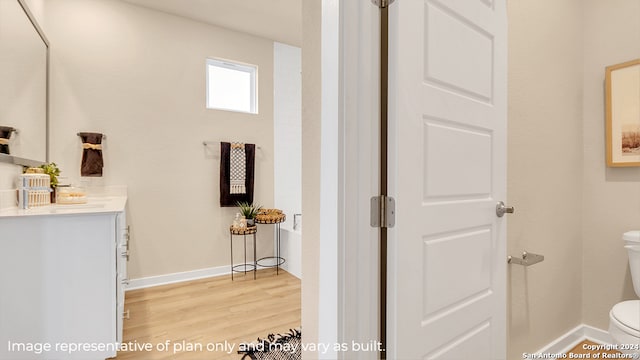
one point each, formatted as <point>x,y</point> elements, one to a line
<point>243,230</point>
<point>34,190</point>
<point>270,216</point>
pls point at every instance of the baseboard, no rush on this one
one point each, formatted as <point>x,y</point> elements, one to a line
<point>575,336</point>
<point>597,335</point>
<point>152,281</point>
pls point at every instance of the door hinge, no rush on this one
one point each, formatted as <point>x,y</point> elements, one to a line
<point>382,3</point>
<point>383,211</point>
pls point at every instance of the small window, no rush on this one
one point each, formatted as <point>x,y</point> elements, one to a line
<point>231,86</point>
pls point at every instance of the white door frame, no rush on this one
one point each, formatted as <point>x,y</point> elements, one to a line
<point>347,270</point>
<point>359,180</point>
<point>348,260</point>
<point>330,163</point>
<point>320,197</point>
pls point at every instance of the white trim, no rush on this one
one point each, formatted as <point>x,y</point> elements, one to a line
<point>330,279</point>
<point>359,291</point>
<point>250,69</point>
<point>575,336</point>
<point>597,335</point>
<point>345,162</point>
<point>152,281</point>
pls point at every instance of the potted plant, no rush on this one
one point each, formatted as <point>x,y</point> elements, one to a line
<point>249,211</point>
<point>53,171</point>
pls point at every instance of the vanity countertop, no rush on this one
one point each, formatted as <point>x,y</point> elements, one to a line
<point>94,205</point>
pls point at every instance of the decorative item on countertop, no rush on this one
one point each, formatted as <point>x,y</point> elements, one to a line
<point>249,211</point>
<point>92,162</point>
<point>233,192</point>
<point>33,170</point>
<point>270,216</point>
<point>53,171</point>
<point>5,135</point>
<point>71,195</point>
<point>34,190</point>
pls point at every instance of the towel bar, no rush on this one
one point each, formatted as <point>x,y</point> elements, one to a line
<point>207,143</point>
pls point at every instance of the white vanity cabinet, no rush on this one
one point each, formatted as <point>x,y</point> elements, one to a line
<point>62,279</point>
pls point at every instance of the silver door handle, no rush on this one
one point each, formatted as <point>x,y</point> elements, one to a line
<point>501,209</point>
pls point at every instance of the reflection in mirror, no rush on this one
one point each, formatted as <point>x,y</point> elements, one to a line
<point>623,114</point>
<point>23,86</point>
<point>5,136</point>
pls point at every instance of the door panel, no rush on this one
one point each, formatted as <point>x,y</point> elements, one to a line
<point>471,175</point>
<point>466,277</point>
<point>447,113</point>
<point>461,69</point>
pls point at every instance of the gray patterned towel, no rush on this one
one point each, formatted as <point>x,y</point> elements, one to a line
<point>238,174</point>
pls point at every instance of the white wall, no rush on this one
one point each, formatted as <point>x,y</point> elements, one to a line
<point>287,129</point>
<point>138,76</point>
<point>8,175</point>
<point>611,195</point>
<point>569,205</point>
<point>545,161</point>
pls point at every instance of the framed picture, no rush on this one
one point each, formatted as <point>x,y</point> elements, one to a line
<point>623,114</point>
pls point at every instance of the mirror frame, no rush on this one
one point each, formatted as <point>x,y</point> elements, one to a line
<point>11,159</point>
<point>609,103</point>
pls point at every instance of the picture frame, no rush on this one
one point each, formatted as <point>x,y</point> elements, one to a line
<point>622,87</point>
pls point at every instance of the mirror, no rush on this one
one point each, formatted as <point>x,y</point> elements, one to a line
<point>623,114</point>
<point>24,52</point>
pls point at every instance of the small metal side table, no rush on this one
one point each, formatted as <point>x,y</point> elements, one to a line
<point>250,230</point>
<point>278,259</point>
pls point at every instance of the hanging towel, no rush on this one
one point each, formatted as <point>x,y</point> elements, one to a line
<point>92,162</point>
<point>238,169</point>
<point>228,198</point>
<point>5,135</point>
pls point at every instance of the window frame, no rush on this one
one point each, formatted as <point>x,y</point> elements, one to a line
<point>251,69</point>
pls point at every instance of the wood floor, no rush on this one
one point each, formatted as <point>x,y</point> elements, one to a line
<point>214,312</point>
<point>217,312</point>
<point>579,351</point>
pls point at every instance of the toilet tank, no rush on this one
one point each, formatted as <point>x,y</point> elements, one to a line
<point>632,244</point>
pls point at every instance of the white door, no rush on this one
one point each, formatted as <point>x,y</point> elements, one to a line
<point>447,272</point>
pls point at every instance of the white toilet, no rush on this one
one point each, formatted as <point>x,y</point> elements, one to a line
<point>624,317</point>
